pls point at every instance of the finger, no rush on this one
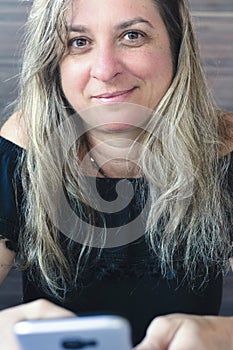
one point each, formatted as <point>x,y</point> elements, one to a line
<point>44,309</point>
<point>33,310</point>
<point>146,345</point>
<point>160,333</point>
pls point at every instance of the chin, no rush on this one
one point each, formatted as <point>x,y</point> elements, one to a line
<point>118,127</point>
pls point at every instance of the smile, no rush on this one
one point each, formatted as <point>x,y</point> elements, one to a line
<point>110,97</point>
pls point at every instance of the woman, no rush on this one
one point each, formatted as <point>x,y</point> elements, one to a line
<point>112,104</point>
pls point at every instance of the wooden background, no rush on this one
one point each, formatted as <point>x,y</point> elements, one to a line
<point>214,24</point>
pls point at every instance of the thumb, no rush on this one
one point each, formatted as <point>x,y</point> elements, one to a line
<point>141,346</point>
<point>146,344</point>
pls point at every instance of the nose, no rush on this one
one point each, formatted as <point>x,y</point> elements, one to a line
<point>106,64</point>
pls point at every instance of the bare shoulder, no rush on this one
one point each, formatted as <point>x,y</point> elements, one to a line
<point>14,130</point>
<point>227,130</point>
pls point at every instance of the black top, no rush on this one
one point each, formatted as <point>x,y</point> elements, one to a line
<point>125,280</point>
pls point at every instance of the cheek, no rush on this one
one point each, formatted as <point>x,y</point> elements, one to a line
<point>160,67</point>
<point>154,67</point>
<point>67,77</point>
<point>73,79</point>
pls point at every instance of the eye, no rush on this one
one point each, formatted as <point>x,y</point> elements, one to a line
<point>79,45</point>
<point>78,42</point>
<point>132,35</point>
<point>134,38</point>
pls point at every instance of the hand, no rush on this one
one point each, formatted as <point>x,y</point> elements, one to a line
<point>35,310</point>
<point>186,332</point>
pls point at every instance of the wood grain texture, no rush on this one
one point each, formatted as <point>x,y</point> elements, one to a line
<point>13,14</point>
<point>211,5</point>
<point>213,21</point>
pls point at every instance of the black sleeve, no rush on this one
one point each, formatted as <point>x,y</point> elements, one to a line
<point>9,210</point>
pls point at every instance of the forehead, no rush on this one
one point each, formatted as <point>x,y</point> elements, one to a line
<point>110,11</point>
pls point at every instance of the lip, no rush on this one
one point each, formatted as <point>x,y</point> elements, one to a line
<point>116,96</point>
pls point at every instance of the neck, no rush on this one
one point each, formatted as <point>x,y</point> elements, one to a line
<point>114,156</point>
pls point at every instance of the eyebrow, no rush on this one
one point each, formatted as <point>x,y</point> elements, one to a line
<point>136,20</point>
<point>121,25</point>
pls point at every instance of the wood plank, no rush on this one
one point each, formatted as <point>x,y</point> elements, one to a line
<point>215,36</point>
<point>211,5</point>
<point>13,14</point>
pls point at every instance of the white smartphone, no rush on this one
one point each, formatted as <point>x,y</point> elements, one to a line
<point>105,332</point>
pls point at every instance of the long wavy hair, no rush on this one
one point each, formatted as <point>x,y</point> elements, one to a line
<point>189,206</point>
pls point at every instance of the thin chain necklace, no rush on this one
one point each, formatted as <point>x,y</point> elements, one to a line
<point>96,165</point>
<point>93,161</point>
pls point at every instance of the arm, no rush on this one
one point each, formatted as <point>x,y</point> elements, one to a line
<point>186,332</point>
<point>6,260</point>
<point>12,130</point>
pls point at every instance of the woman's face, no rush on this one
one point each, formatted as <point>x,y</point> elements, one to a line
<point>118,51</point>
